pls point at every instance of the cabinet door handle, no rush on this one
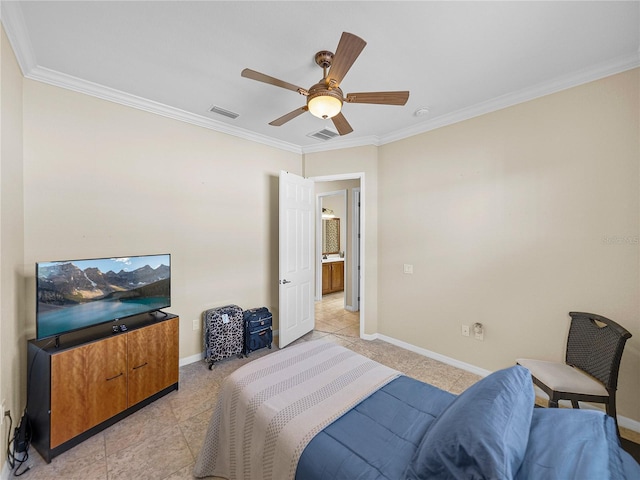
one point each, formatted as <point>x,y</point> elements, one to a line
<point>140,366</point>
<point>115,376</point>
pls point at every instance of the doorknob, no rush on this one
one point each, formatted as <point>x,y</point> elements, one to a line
<point>285,281</point>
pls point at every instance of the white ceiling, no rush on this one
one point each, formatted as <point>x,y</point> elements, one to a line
<point>458,59</point>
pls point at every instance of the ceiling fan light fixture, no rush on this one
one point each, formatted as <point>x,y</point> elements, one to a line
<point>324,106</point>
<point>323,102</point>
<point>325,98</point>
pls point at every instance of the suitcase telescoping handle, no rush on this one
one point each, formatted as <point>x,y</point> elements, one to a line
<point>285,281</point>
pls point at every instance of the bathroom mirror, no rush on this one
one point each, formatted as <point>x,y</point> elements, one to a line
<point>330,236</point>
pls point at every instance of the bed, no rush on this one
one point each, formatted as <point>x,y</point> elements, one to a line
<point>319,411</point>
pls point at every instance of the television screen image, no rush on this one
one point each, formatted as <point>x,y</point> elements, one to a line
<point>75,294</point>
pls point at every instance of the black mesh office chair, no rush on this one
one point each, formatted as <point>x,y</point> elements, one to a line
<point>590,374</point>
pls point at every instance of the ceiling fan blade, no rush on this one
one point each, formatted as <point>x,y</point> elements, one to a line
<point>381,98</point>
<point>261,77</point>
<point>347,52</point>
<point>341,124</point>
<point>289,116</point>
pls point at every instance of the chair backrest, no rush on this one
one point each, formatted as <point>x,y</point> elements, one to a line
<point>595,345</point>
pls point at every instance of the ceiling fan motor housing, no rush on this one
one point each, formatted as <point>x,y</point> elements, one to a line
<point>325,99</point>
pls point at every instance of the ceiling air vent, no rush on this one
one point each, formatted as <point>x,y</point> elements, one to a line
<point>324,134</point>
<point>223,112</point>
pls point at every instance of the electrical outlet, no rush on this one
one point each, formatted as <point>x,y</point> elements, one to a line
<point>408,268</point>
<point>465,330</point>
<point>2,412</point>
<point>478,331</point>
<point>196,324</point>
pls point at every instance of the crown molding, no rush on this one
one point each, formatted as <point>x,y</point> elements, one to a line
<point>75,84</point>
<point>606,69</point>
<point>342,143</point>
<point>612,67</point>
<point>15,27</point>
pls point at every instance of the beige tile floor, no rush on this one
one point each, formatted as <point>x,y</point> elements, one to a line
<point>162,440</point>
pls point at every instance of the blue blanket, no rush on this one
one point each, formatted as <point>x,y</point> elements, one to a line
<point>569,444</point>
<point>376,439</point>
<point>412,430</point>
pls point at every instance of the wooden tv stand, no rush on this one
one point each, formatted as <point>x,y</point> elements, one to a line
<point>95,377</point>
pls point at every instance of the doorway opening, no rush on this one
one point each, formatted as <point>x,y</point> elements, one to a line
<point>339,250</point>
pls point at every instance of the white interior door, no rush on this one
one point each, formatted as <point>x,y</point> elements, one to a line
<point>296,258</point>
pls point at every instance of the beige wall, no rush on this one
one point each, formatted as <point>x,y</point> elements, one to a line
<point>513,219</point>
<point>12,337</point>
<point>351,161</point>
<point>101,179</point>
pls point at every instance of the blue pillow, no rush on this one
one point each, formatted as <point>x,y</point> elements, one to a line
<point>482,434</point>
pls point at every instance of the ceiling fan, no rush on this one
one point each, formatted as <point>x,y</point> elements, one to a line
<point>325,99</point>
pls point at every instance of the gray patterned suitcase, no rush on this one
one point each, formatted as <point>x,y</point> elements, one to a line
<point>223,333</point>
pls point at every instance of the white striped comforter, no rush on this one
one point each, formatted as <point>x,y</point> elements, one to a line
<point>270,409</point>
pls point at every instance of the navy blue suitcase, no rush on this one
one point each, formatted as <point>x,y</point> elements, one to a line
<point>258,329</point>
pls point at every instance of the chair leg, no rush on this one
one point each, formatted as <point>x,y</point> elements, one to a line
<point>553,403</point>
<point>575,404</point>
<point>611,409</point>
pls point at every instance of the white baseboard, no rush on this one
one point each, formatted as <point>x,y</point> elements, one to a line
<point>197,357</point>
<point>192,359</point>
<point>5,473</point>
<point>625,422</point>
<point>622,421</point>
<point>436,356</point>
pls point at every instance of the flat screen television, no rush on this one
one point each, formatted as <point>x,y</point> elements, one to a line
<point>76,294</point>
